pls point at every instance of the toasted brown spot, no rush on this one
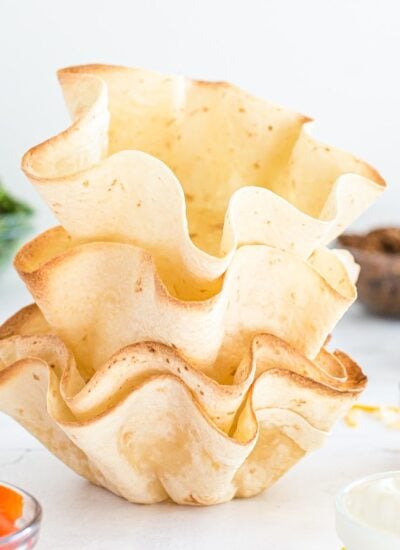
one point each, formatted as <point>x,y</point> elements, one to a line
<point>138,285</point>
<point>300,402</point>
<point>113,184</point>
<point>209,83</point>
<point>36,377</point>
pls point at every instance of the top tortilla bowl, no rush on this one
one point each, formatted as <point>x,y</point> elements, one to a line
<point>190,171</point>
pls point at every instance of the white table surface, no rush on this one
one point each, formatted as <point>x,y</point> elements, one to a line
<point>296,514</point>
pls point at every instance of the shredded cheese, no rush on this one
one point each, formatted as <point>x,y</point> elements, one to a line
<point>389,415</point>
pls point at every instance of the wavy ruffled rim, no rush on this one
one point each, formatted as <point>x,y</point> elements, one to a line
<point>77,175</point>
<point>276,393</point>
<point>260,293</point>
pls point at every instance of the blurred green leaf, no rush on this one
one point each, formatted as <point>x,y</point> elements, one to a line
<point>15,222</point>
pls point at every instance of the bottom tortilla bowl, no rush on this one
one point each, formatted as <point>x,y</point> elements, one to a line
<point>150,427</point>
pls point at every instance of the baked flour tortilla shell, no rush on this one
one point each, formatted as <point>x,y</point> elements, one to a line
<point>191,171</point>
<point>97,310</point>
<point>163,436</point>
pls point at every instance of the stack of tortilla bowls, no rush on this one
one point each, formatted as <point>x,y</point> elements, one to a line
<point>175,349</point>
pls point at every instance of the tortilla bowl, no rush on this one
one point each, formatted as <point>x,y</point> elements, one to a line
<point>150,427</point>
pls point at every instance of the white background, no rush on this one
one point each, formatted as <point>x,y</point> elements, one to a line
<point>337,61</point>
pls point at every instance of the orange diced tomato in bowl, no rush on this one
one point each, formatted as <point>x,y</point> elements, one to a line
<point>11,508</point>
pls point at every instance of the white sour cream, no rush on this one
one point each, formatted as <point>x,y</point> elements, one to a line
<point>368,513</point>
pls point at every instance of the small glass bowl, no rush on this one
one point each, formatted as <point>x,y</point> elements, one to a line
<point>28,524</point>
<point>353,533</point>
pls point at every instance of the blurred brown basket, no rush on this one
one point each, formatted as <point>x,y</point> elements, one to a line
<point>378,254</point>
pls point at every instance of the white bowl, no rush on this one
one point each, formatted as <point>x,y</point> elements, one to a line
<point>356,534</point>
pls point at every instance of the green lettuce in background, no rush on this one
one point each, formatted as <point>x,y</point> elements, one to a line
<point>15,222</point>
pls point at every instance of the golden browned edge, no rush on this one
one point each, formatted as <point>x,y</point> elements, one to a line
<point>355,373</point>
<point>355,376</point>
<point>50,143</point>
<point>101,67</point>
<point>168,353</point>
<point>94,67</point>
<point>15,369</point>
<point>373,173</point>
<point>37,277</point>
<point>98,67</point>
<point>15,323</point>
<point>89,69</point>
<point>355,381</point>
